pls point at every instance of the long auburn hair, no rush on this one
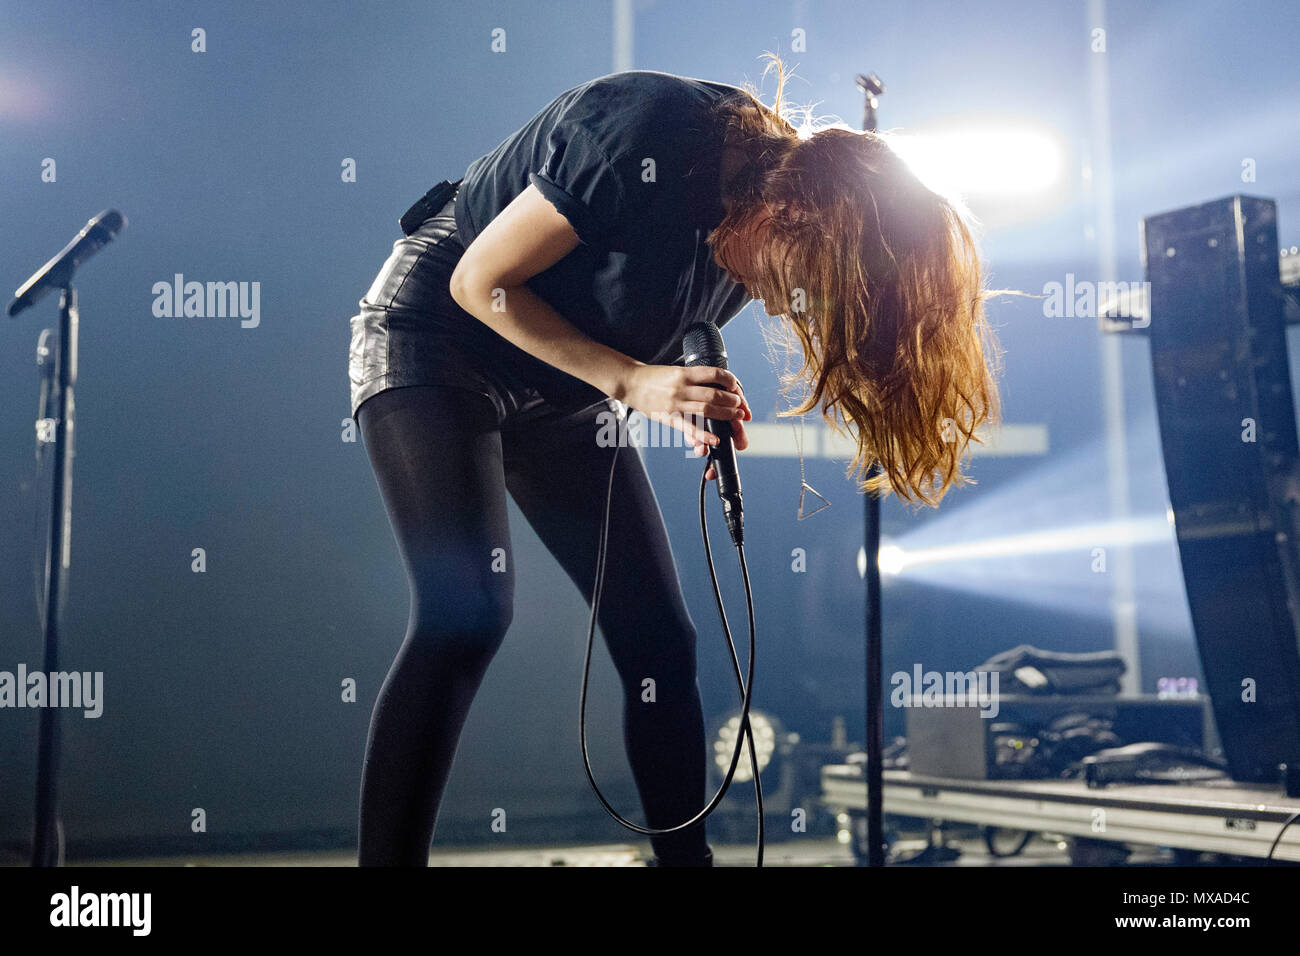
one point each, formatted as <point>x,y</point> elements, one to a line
<point>880,281</point>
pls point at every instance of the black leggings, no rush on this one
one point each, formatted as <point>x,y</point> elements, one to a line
<point>444,462</point>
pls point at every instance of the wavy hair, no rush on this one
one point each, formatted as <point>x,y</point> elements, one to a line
<point>880,282</point>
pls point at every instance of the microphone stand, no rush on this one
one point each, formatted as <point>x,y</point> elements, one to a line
<point>57,274</point>
<point>46,849</point>
<point>872,87</point>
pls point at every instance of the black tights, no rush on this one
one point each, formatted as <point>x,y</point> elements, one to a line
<point>444,464</point>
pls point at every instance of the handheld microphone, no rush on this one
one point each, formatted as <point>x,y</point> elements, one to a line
<point>702,345</point>
<point>57,273</point>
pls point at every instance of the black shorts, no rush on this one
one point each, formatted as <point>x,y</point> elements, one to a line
<point>410,331</point>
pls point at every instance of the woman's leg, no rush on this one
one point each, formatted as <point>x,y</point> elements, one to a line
<point>436,454</point>
<point>558,476</point>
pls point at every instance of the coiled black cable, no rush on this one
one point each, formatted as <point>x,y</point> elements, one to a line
<point>746,684</point>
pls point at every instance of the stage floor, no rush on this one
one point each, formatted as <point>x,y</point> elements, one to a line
<point>1040,852</point>
<point>812,852</point>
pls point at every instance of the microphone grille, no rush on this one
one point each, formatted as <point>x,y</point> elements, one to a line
<point>702,345</point>
<point>110,220</point>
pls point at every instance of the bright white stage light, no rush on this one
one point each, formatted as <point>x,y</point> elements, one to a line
<point>724,745</point>
<point>891,559</point>
<point>983,160</point>
<point>1047,539</point>
<point>1083,538</point>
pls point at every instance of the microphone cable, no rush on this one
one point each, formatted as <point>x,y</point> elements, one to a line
<point>745,684</point>
<point>746,729</point>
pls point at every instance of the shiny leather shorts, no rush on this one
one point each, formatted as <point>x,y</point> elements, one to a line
<point>410,331</point>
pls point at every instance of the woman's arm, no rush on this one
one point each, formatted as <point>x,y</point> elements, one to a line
<point>529,236</point>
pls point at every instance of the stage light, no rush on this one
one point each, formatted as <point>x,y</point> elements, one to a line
<point>1045,539</point>
<point>843,828</point>
<point>1081,537</point>
<point>891,559</point>
<point>724,745</point>
<point>983,161</point>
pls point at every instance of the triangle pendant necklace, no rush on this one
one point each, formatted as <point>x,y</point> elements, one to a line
<point>804,487</point>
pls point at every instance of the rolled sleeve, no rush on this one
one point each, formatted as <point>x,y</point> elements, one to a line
<point>583,185</point>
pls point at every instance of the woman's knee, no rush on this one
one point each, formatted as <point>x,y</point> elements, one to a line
<point>469,622</point>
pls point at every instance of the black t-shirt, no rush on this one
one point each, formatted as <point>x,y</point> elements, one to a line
<point>632,161</point>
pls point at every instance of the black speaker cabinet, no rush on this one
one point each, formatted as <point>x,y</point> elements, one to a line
<point>1228,430</point>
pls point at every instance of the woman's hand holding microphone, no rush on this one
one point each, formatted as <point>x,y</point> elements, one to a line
<point>683,397</point>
